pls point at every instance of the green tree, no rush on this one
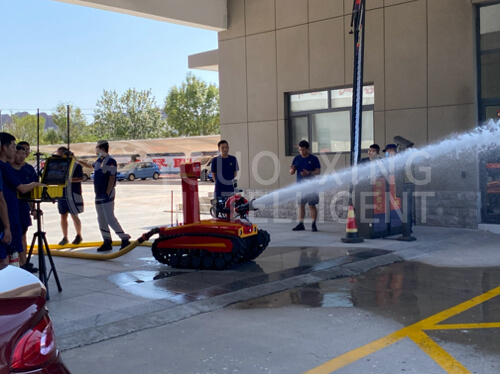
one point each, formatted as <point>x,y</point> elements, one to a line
<point>25,127</point>
<point>134,115</point>
<point>77,124</point>
<point>51,137</point>
<point>193,108</point>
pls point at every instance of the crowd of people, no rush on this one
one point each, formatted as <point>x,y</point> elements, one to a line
<point>18,178</point>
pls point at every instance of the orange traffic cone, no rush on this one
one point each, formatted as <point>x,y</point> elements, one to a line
<point>351,235</point>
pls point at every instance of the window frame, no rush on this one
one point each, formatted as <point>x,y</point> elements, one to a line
<point>289,115</point>
<point>482,102</point>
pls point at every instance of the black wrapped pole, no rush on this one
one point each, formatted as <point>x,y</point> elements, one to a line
<point>357,23</point>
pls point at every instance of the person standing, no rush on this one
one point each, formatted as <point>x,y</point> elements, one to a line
<point>26,174</point>
<point>12,185</point>
<point>5,234</point>
<point>105,168</point>
<point>373,152</point>
<point>306,165</point>
<point>390,150</point>
<point>72,201</point>
<point>224,170</point>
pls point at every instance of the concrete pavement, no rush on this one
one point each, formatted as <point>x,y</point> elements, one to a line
<point>106,299</point>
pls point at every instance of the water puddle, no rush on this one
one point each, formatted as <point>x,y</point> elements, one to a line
<point>141,276</point>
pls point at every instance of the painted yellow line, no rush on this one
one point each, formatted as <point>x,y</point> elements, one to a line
<point>430,323</point>
<point>466,326</point>
<point>438,354</point>
<point>358,353</point>
<point>448,313</point>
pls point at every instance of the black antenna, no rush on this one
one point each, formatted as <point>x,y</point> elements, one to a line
<point>38,142</point>
<point>38,131</point>
<point>67,122</point>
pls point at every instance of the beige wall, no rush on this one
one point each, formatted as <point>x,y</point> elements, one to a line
<point>419,55</point>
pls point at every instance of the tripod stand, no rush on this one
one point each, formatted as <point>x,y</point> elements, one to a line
<point>43,249</point>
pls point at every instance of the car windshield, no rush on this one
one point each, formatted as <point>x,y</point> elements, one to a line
<point>203,160</point>
<point>130,166</point>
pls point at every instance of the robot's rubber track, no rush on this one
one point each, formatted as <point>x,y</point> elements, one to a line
<point>243,250</point>
<point>198,258</point>
<point>257,245</point>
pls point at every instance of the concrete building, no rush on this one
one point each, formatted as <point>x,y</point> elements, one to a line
<point>432,68</point>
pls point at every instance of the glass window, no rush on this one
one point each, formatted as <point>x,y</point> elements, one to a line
<point>331,132</point>
<point>367,137</point>
<point>299,132</point>
<point>309,101</point>
<point>324,119</point>
<point>342,98</point>
<point>493,112</point>
<point>489,27</point>
<point>489,19</point>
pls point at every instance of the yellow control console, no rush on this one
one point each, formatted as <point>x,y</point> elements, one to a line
<point>55,176</point>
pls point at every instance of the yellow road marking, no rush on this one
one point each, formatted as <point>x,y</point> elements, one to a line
<point>465,326</point>
<point>438,354</point>
<point>415,332</point>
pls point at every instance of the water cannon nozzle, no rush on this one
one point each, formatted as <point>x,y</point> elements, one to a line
<point>250,205</point>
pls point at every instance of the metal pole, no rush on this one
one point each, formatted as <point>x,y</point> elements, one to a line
<point>38,138</point>
<point>357,94</point>
<point>67,122</point>
<point>357,22</point>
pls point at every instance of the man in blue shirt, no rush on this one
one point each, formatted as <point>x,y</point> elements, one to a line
<point>105,168</point>
<point>6,237</point>
<point>12,185</point>
<point>306,165</point>
<point>224,170</point>
<point>373,152</point>
<point>26,174</point>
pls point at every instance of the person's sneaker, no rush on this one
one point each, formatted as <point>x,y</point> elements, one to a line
<point>107,245</point>
<point>313,227</point>
<point>29,267</point>
<point>299,227</point>
<point>64,241</point>
<point>125,243</point>
<point>78,240</point>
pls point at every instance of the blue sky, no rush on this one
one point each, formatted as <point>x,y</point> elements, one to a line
<point>54,52</point>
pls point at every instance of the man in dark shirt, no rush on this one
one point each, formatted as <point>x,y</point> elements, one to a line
<point>373,152</point>
<point>12,185</point>
<point>306,165</point>
<point>26,174</point>
<point>5,236</point>
<point>72,202</point>
<point>105,168</point>
<point>224,170</point>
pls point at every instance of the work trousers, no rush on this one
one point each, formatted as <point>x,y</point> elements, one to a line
<point>106,219</point>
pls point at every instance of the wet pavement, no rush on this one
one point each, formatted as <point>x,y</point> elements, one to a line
<point>100,293</point>
<point>299,329</point>
<point>307,300</point>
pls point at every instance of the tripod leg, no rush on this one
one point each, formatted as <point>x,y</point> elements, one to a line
<point>42,268</point>
<point>53,266</point>
<point>30,253</point>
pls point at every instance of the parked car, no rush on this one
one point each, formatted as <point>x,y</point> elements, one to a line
<point>205,166</point>
<point>134,170</point>
<point>27,338</point>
